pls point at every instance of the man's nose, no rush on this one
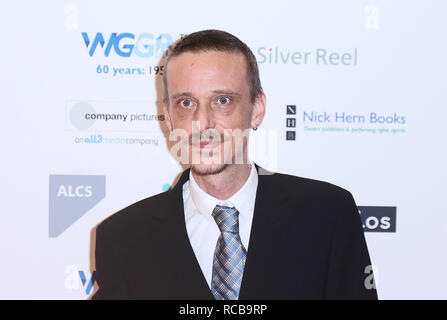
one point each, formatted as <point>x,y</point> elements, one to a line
<point>204,116</point>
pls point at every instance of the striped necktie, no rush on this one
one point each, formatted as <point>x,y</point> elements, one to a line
<point>229,255</point>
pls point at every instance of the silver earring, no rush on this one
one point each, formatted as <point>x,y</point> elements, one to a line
<point>255,128</point>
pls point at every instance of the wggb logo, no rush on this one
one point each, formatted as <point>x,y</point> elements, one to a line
<point>144,45</point>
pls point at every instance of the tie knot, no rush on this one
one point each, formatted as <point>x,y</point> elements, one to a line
<point>227,219</point>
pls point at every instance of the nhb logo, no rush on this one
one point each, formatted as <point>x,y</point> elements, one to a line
<point>291,122</point>
<point>125,44</point>
<point>71,196</point>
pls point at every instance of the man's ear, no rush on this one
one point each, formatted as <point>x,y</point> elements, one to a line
<point>166,114</point>
<point>258,110</point>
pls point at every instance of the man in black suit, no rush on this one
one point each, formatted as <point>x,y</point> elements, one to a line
<point>229,229</point>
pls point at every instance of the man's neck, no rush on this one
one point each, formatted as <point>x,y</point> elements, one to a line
<point>226,183</point>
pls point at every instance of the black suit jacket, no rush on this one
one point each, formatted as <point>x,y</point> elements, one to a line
<point>306,242</point>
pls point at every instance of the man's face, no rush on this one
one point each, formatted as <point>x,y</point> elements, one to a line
<point>209,92</point>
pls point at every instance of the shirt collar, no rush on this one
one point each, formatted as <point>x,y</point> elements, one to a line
<point>243,200</point>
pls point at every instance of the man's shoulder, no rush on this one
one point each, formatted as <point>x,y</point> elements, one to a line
<point>316,191</point>
<point>136,215</point>
<point>319,203</point>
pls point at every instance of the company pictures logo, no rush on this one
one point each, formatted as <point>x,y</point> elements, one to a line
<point>144,45</point>
<point>71,196</point>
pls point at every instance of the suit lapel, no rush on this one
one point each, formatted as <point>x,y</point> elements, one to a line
<point>265,229</point>
<point>186,272</point>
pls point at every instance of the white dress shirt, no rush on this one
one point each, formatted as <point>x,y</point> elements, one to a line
<point>202,229</point>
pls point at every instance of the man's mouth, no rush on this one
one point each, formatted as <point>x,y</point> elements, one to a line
<point>208,144</point>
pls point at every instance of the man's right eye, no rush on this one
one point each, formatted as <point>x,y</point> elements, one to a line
<point>186,103</point>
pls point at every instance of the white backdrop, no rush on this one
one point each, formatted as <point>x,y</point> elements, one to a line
<point>372,72</point>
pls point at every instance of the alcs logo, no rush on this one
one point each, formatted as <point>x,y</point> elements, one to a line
<point>72,196</point>
<point>124,44</point>
<point>74,191</point>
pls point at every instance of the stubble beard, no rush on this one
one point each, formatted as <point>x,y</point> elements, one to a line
<point>208,170</point>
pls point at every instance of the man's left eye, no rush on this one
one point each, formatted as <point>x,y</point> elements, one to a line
<point>223,100</point>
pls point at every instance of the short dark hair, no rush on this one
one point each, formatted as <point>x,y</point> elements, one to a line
<point>216,40</point>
